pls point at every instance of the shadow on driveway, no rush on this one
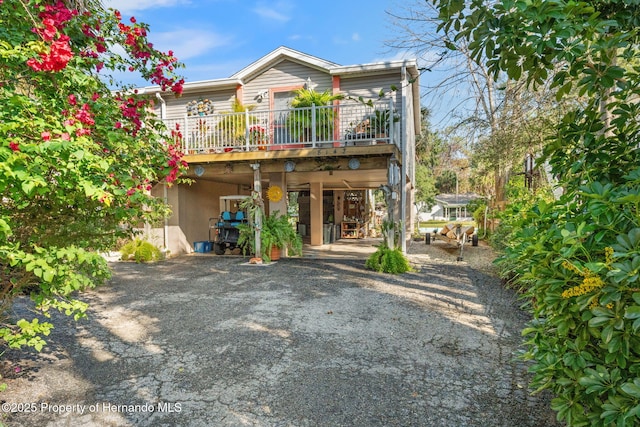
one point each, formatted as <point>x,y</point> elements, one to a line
<point>312,341</point>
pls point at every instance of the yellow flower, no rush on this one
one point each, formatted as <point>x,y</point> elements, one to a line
<point>589,283</point>
<point>571,267</point>
<point>608,256</point>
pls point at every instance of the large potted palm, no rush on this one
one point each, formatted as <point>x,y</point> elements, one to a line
<point>300,120</point>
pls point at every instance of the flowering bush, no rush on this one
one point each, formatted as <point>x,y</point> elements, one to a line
<point>77,161</point>
<point>577,262</point>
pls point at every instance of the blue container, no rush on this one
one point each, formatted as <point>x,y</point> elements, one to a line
<point>202,247</point>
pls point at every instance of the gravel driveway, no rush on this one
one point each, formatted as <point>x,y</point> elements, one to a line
<point>206,340</point>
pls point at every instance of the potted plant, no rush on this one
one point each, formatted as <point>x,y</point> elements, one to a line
<point>258,137</point>
<point>276,233</point>
<point>233,124</point>
<point>299,123</point>
<point>381,121</point>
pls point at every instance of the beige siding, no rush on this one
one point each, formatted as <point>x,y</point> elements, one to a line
<point>369,87</point>
<point>283,74</point>
<point>177,107</point>
<point>191,206</point>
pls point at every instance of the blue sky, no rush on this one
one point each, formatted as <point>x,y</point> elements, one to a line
<point>216,38</point>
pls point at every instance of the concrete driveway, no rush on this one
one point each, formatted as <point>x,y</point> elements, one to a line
<point>313,341</point>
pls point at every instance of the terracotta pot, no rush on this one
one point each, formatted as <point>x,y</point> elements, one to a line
<point>275,253</point>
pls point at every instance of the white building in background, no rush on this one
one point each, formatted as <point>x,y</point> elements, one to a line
<point>450,207</point>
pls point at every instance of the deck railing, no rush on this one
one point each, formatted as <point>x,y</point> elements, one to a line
<point>314,127</point>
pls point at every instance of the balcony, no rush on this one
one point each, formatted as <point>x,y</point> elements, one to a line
<point>347,124</point>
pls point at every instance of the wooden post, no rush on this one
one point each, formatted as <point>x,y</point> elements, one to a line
<point>257,189</point>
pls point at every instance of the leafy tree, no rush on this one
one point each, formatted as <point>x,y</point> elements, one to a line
<point>428,149</point>
<point>576,258</point>
<point>446,182</point>
<point>501,121</point>
<point>77,159</point>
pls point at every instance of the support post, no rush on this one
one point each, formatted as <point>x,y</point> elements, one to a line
<point>257,190</point>
<point>316,213</point>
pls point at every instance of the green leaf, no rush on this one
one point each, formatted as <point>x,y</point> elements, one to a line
<point>632,312</point>
<point>596,322</point>
<point>48,275</point>
<point>632,389</point>
<point>27,187</point>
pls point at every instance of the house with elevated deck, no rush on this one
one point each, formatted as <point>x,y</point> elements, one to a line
<point>242,133</point>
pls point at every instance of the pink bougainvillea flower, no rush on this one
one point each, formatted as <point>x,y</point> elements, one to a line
<point>60,53</point>
<point>56,60</point>
<point>49,31</point>
<point>72,99</point>
<point>59,13</point>
<point>14,145</point>
<point>46,136</point>
<point>85,116</point>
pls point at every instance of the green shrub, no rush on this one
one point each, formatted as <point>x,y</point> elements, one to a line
<point>521,213</point>
<point>577,261</point>
<point>140,251</point>
<point>388,260</point>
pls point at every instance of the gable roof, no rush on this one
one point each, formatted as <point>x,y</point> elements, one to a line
<point>278,55</point>
<point>284,53</point>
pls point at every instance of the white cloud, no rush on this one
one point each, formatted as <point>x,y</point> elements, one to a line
<point>130,6</point>
<point>188,43</point>
<point>271,14</point>
<point>279,11</point>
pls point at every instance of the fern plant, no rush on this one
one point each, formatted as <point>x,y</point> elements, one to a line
<point>387,260</point>
<point>276,231</point>
<point>300,123</point>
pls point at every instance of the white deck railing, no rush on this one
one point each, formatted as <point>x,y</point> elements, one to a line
<point>314,127</point>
